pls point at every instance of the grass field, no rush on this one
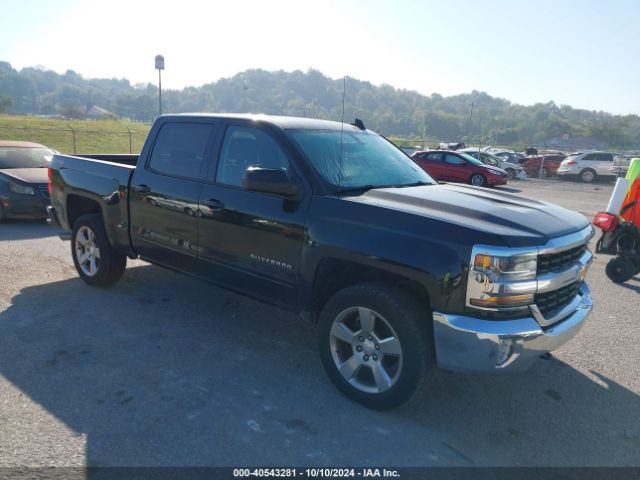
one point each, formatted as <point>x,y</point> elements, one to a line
<point>91,136</point>
<point>104,136</point>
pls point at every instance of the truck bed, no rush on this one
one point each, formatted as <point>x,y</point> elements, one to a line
<point>119,158</point>
<point>94,183</point>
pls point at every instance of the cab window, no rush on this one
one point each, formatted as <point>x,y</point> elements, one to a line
<point>245,147</point>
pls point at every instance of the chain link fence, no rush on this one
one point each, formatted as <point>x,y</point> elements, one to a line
<point>76,140</point>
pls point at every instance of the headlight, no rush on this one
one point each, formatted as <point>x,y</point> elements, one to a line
<point>520,267</point>
<point>22,189</point>
<point>498,280</point>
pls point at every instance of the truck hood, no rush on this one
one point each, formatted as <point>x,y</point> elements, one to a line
<point>27,175</point>
<point>516,220</point>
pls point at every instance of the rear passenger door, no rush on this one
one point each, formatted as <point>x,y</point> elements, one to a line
<point>165,191</point>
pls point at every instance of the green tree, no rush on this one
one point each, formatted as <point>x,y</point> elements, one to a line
<point>5,104</point>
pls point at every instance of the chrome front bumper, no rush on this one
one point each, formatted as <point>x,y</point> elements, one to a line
<point>473,345</point>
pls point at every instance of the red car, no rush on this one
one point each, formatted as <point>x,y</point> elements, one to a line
<point>549,167</point>
<point>452,166</point>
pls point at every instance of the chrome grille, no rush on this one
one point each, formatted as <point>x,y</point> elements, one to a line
<point>557,261</point>
<point>551,301</point>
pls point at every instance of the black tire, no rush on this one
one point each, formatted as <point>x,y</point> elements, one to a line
<point>511,174</point>
<point>478,180</point>
<point>620,269</point>
<point>110,264</point>
<point>2,217</point>
<point>412,329</point>
<point>544,173</point>
<point>588,175</point>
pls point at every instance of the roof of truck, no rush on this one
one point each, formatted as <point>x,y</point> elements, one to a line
<point>287,123</point>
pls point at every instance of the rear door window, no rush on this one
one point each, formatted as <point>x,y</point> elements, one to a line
<point>180,148</point>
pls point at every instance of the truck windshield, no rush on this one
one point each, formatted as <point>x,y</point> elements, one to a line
<point>352,160</point>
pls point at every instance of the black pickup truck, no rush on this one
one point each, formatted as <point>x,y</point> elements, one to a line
<point>332,221</point>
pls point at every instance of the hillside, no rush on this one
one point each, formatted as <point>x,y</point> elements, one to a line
<point>390,111</point>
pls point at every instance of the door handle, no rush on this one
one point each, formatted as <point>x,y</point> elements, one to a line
<point>213,204</point>
<point>142,188</point>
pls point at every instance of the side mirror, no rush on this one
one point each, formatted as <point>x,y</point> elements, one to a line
<point>271,180</point>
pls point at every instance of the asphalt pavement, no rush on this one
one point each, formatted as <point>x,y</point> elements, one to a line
<point>165,370</point>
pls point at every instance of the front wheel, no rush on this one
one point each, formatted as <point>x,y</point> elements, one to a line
<point>376,344</point>
<point>478,180</point>
<point>96,261</point>
<point>510,174</point>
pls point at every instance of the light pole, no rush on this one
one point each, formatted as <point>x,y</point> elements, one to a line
<point>469,122</point>
<point>159,67</point>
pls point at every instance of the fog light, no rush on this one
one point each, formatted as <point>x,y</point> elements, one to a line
<point>505,350</point>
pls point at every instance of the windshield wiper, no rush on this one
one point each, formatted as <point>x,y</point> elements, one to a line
<point>364,188</point>
<point>361,188</point>
<point>415,184</point>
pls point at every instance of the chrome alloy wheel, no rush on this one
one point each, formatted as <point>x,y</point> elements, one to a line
<point>87,251</point>
<point>366,350</point>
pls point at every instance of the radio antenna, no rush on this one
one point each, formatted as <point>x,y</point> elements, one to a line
<point>344,91</point>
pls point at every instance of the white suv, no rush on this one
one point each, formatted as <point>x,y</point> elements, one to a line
<point>587,165</point>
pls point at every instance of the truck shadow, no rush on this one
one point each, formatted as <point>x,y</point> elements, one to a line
<point>165,370</point>
<point>26,230</point>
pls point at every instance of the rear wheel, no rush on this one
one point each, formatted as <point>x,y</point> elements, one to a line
<point>376,344</point>
<point>478,180</point>
<point>510,173</point>
<point>544,173</point>
<point>620,269</point>
<point>587,175</point>
<point>95,259</point>
<point>1,214</point>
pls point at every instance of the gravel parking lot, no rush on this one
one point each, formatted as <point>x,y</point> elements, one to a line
<point>165,370</point>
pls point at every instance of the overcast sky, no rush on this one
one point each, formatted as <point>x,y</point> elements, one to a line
<point>582,53</point>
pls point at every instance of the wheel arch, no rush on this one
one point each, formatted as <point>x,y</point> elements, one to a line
<point>78,205</point>
<point>335,274</point>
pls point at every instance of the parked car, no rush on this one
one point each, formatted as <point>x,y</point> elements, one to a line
<point>543,165</point>
<point>513,169</point>
<point>23,179</point>
<point>587,165</point>
<point>621,163</point>
<point>452,145</point>
<point>409,150</point>
<point>331,221</point>
<point>509,156</point>
<point>453,166</point>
